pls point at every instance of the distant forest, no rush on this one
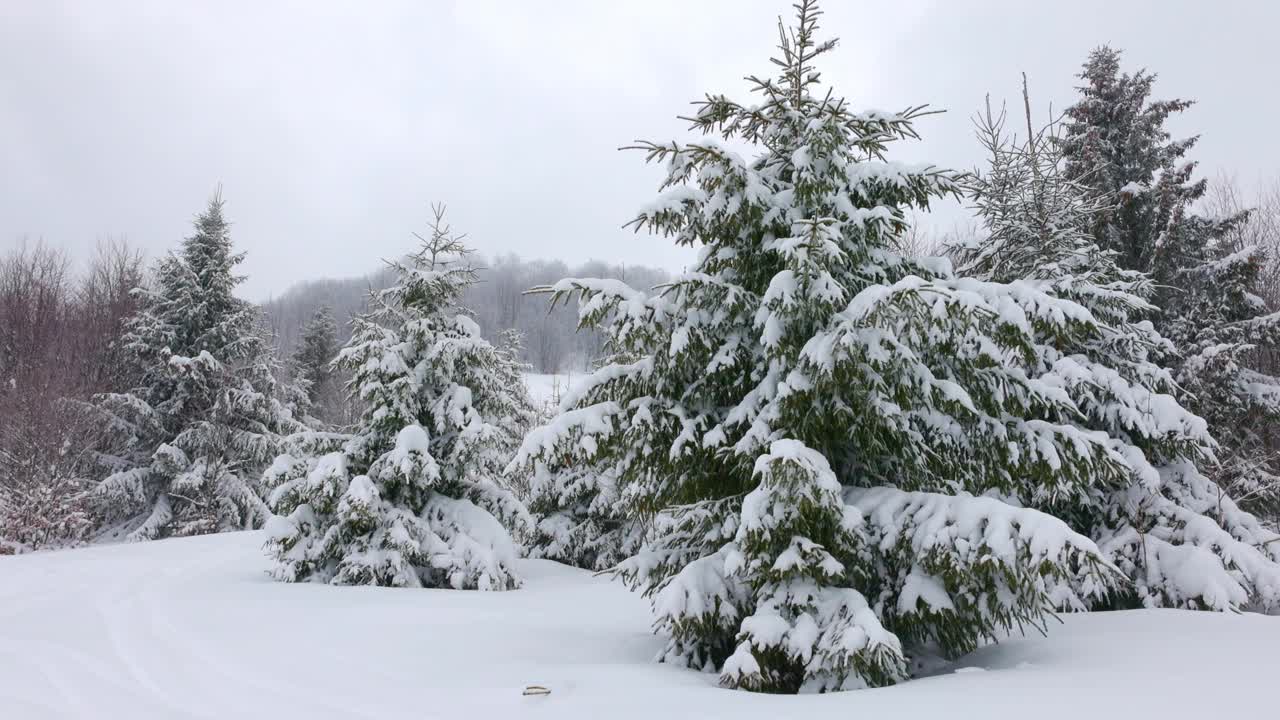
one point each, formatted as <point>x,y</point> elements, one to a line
<point>499,302</point>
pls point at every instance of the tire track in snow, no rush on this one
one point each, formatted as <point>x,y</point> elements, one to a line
<point>160,602</point>
<point>133,644</point>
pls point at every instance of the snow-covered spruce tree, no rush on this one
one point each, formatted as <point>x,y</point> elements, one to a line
<point>184,449</point>
<point>805,414</point>
<point>521,413</point>
<point>1207,290</point>
<point>312,369</point>
<point>1180,539</point>
<point>578,516</point>
<point>415,495</point>
<point>1114,142</point>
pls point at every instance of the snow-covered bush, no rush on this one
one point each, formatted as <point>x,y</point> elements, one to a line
<point>942,554</point>
<point>803,421</point>
<point>415,496</point>
<point>59,345</point>
<point>55,511</point>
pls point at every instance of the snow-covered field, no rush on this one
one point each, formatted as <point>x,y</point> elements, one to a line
<point>193,628</point>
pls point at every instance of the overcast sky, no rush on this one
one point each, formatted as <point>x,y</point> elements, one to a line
<point>332,126</point>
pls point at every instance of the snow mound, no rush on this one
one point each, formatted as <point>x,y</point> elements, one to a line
<point>194,628</point>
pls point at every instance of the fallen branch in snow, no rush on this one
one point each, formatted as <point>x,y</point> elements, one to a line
<point>536,690</point>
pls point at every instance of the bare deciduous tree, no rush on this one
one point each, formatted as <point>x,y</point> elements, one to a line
<point>58,334</point>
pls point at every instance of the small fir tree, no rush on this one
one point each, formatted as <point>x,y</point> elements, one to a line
<point>578,515</point>
<point>519,414</point>
<point>415,496</point>
<point>799,421</point>
<point>185,448</point>
<point>313,373</point>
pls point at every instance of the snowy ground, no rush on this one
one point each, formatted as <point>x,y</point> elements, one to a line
<point>193,628</point>
<point>545,388</point>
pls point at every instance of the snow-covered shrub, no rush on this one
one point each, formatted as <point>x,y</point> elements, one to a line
<point>415,496</point>
<point>577,519</point>
<point>59,345</point>
<point>941,555</point>
<point>55,511</point>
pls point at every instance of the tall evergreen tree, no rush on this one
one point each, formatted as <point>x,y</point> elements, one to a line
<point>1168,517</point>
<point>1207,291</point>
<point>1115,143</point>
<point>312,366</point>
<point>804,419</point>
<point>185,448</point>
<point>414,497</point>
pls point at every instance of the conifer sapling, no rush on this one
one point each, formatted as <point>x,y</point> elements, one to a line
<point>415,496</point>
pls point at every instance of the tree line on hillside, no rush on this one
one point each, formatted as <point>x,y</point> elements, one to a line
<point>498,301</point>
<point>825,459</point>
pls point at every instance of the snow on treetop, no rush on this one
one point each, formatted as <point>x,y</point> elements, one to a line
<point>413,438</point>
<point>799,453</point>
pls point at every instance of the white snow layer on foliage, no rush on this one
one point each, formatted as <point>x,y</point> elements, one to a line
<point>976,530</point>
<point>1189,558</point>
<point>193,628</point>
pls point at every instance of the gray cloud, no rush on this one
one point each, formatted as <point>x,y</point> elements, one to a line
<point>332,125</point>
